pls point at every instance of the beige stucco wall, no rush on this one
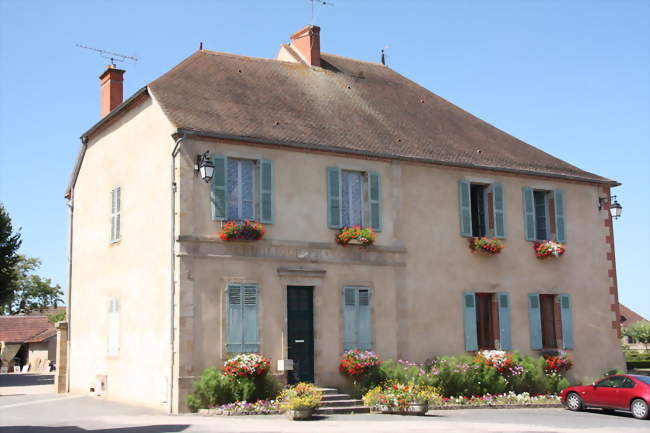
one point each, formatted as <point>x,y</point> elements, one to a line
<point>42,350</point>
<point>133,152</point>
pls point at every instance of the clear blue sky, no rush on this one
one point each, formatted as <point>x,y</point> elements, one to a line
<point>571,78</point>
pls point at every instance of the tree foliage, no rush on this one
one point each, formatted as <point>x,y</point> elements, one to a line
<point>639,331</point>
<point>30,292</point>
<point>56,317</point>
<point>9,258</point>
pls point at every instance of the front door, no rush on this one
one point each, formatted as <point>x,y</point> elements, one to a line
<point>300,324</point>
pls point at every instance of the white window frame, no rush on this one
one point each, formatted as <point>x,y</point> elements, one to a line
<point>116,211</point>
<point>240,200</point>
<point>365,211</point>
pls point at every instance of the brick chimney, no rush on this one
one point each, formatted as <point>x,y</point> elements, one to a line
<point>111,89</point>
<point>307,42</point>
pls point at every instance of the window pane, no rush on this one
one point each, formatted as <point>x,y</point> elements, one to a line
<point>352,193</point>
<point>484,321</point>
<point>247,190</point>
<point>233,189</point>
<point>478,210</point>
<point>540,215</point>
<point>548,321</point>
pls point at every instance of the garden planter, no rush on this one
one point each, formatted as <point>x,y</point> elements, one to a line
<point>300,414</point>
<point>419,409</point>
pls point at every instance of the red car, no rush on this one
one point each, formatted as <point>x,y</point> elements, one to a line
<point>628,392</point>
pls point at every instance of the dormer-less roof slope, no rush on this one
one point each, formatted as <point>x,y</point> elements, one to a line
<point>25,329</point>
<point>346,106</point>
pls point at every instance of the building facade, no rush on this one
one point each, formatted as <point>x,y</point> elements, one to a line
<point>306,144</point>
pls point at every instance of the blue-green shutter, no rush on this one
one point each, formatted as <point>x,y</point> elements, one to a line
<point>559,215</point>
<point>499,211</point>
<point>469,304</point>
<point>465,206</point>
<point>266,192</point>
<point>234,327</point>
<point>218,191</point>
<point>250,339</point>
<point>374,199</point>
<point>529,214</point>
<point>567,321</point>
<point>535,321</point>
<point>334,197</point>
<point>349,318</point>
<point>364,323</point>
<point>504,321</point>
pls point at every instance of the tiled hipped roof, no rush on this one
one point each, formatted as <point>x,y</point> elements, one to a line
<point>25,329</point>
<point>346,106</point>
<point>628,316</point>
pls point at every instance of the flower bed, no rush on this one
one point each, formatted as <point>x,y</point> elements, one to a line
<point>246,364</point>
<point>501,361</point>
<point>509,399</point>
<point>357,235</point>
<point>486,245</point>
<point>548,249</point>
<point>242,231</point>
<point>261,407</point>
<point>357,363</point>
<point>557,362</point>
<point>402,398</point>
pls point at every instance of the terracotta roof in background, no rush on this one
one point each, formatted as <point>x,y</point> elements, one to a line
<point>629,315</point>
<point>347,106</point>
<point>25,329</point>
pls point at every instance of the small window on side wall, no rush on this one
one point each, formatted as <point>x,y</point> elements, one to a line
<point>482,209</point>
<point>116,207</point>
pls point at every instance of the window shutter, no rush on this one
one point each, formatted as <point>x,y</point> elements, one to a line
<point>334,197</point>
<point>114,327</point>
<point>266,191</point>
<point>374,199</point>
<point>465,209</point>
<point>535,321</point>
<point>235,320</point>
<point>567,321</point>
<point>118,208</point>
<point>529,214</point>
<point>250,332</point>
<point>112,216</point>
<point>499,211</point>
<point>471,340</point>
<point>364,322</point>
<point>559,215</point>
<point>504,321</point>
<point>349,318</point>
<point>218,192</point>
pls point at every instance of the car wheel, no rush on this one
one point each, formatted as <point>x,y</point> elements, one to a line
<point>639,409</point>
<point>573,402</point>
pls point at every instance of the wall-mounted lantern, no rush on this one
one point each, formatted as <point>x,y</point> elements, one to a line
<point>612,204</point>
<point>204,166</point>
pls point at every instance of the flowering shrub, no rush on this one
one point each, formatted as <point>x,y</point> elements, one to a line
<point>487,245</point>
<point>300,396</point>
<point>499,360</point>
<point>261,407</point>
<point>548,249</point>
<point>400,396</point>
<point>365,236</point>
<point>357,363</point>
<point>246,364</point>
<point>558,362</point>
<point>242,231</point>
<point>509,398</point>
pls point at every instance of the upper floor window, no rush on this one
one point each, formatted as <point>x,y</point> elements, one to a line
<point>353,198</point>
<point>544,215</point>
<point>482,209</point>
<point>116,204</point>
<point>242,189</point>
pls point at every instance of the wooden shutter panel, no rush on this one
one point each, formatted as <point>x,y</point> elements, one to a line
<point>499,211</point>
<point>364,322</point>
<point>567,321</point>
<point>113,215</point>
<point>250,331</point>
<point>266,191</point>
<point>234,341</point>
<point>218,190</point>
<point>504,321</point>
<point>469,304</point>
<point>118,208</point>
<point>374,200</point>
<point>349,318</point>
<point>535,321</point>
<point>529,214</point>
<point>334,197</point>
<point>559,215</point>
<point>465,209</point>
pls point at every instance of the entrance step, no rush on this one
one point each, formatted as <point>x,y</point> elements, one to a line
<point>328,391</point>
<point>341,403</point>
<point>341,410</point>
<point>330,397</point>
<point>334,402</point>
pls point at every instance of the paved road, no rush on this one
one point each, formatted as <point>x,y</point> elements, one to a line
<point>26,383</point>
<point>51,413</point>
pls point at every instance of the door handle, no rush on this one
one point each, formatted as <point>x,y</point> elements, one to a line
<point>299,341</point>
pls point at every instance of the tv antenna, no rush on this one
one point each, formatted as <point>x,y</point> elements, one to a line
<point>384,55</point>
<point>320,2</point>
<point>113,57</point>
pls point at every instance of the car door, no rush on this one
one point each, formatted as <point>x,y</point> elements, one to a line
<point>611,395</point>
<point>626,393</point>
<point>600,393</point>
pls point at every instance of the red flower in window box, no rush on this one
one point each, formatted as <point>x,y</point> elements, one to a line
<point>356,235</point>
<point>486,245</point>
<point>548,249</point>
<point>358,362</point>
<point>242,231</point>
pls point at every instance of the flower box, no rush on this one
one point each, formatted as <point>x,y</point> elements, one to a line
<point>356,235</point>
<point>242,231</point>
<point>485,245</point>
<point>548,249</point>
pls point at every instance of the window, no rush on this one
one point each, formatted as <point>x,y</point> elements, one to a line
<point>544,215</point>
<point>550,321</point>
<point>242,332</point>
<point>484,320</point>
<point>242,189</point>
<point>113,327</point>
<point>547,307</point>
<point>353,198</point>
<point>487,321</point>
<point>115,213</point>
<point>482,209</point>
<point>356,319</point>
<point>627,383</point>
<point>612,382</point>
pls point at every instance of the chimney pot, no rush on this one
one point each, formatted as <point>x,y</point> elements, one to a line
<point>307,42</point>
<point>111,89</point>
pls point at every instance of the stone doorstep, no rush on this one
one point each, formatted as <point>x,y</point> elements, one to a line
<point>341,410</point>
<point>330,397</point>
<point>329,391</point>
<point>339,403</point>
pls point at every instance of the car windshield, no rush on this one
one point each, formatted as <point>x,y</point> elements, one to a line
<point>644,379</point>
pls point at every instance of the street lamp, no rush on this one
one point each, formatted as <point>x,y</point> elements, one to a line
<point>612,204</point>
<point>204,166</point>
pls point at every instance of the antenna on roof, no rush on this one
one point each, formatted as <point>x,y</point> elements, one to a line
<point>383,55</point>
<point>321,2</point>
<point>113,57</point>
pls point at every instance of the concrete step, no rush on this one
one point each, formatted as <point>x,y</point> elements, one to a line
<point>341,410</point>
<point>329,397</point>
<point>341,403</point>
<point>328,391</point>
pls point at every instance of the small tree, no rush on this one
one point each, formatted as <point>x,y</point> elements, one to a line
<point>9,244</point>
<point>639,331</point>
<point>29,292</point>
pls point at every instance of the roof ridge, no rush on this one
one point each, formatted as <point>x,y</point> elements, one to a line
<point>357,60</point>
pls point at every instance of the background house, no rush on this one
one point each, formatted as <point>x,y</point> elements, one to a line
<point>27,341</point>
<point>629,317</point>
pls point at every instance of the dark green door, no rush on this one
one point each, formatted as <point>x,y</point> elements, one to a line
<point>300,323</point>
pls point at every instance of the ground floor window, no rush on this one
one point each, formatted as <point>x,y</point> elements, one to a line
<point>241,326</point>
<point>550,321</point>
<point>485,316</point>
<point>357,324</point>
<point>487,321</point>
